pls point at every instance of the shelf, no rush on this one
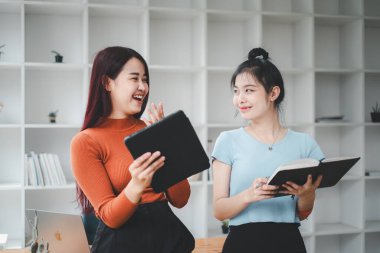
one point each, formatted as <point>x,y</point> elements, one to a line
<point>126,3</point>
<point>52,66</point>
<point>335,228</point>
<point>337,94</point>
<point>69,187</point>
<point>10,186</point>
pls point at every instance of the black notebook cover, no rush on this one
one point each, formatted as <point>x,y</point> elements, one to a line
<point>332,171</point>
<point>176,139</point>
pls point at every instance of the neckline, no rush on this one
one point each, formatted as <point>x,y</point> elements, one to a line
<point>266,144</point>
<point>119,124</point>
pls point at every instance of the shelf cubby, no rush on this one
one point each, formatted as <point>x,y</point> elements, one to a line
<point>339,94</point>
<point>11,32</point>
<point>59,143</point>
<point>338,7</point>
<point>238,5</point>
<point>371,8</point>
<point>372,91</point>
<point>339,210</point>
<point>298,91</point>
<point>372,42</point>
<point>292,51</point>
<point>52,90</point>
<point>372,205</point>
<point>228,41</point>
<point>10,151</point>
<point>338,43</point>
<point>345,243</point>
<point>372,242</point>
<point>10,96</point>
<point>56,27</point>
<point>133,21</point>
<point>372,147</point>
<point>176,31</point>
<point>337,141</point>
<point>179,4</point>
<point>287,6</point>
<point>11,201</point>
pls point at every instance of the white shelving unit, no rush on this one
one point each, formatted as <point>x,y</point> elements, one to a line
<point>327,51</point>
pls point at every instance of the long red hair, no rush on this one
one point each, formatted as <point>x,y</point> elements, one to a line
<point>108,63</point>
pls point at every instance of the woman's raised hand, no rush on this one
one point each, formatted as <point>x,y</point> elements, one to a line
<point>155,113</point>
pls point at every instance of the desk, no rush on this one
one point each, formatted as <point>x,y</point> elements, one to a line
<point>202,245</point>
<point>209,245</point>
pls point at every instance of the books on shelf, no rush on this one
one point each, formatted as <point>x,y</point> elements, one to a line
<point>43,169</point>
<point>332,170</point>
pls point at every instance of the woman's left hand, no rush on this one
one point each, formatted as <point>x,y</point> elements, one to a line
<point>302,191</point>
<point>155,113</point>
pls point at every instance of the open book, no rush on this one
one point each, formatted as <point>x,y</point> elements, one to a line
<point>332,170</point>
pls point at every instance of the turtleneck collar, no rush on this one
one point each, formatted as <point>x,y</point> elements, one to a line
<point>119,124</point>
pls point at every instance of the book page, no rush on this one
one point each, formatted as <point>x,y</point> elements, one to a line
<point>297,164</point>
<point>334,159</point>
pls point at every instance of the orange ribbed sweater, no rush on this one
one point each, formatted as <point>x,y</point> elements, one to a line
<point>100,163</point>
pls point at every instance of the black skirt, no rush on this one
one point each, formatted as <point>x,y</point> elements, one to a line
<point>152,228</point>
<point>268,237</point>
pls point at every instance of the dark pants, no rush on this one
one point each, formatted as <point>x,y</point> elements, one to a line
<point>152,228</point>
<point>268,237</point>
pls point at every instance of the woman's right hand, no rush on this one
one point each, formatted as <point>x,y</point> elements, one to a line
<point>259,190</point>
<point>143,168</point>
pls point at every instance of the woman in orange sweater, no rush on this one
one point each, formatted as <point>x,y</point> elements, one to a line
<point>133,218</point>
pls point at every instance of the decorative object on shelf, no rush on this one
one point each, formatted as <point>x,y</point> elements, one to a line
<point>1,106</point>
<point>58,56</point>
<point>335,118</point>
<point>53,116</point>
<point>225,228</point>
<point>375,114</point>
<point>1,52</point>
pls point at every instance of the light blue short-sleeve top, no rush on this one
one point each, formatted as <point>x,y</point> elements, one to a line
<point>250,159</point>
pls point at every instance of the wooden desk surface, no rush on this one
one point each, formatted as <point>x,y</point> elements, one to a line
<point>202,245</point>
<point>209,245</point>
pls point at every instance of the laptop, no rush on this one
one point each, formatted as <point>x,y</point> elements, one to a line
<point>176,139</point>
<point>64,232</point>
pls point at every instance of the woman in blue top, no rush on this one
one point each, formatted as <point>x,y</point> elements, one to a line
<point>245,157</point>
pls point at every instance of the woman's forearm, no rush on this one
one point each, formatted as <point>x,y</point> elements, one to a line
<point>229,207</point>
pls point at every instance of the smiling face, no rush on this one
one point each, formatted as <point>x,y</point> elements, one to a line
<point>250,97</point>
<point>128,89</point>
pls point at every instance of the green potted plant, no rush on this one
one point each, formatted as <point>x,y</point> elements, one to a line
<point>58,56</point>
<point>53,116</point>
<point>1,52</point>
<point>375,114</point>
<point>225,228</point>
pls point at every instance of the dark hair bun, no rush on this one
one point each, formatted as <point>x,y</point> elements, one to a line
<point>258,52</point>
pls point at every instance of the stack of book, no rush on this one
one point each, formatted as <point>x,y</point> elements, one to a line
<point>43,169</point>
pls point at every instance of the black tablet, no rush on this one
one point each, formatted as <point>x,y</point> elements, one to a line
<point>176,139</point>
